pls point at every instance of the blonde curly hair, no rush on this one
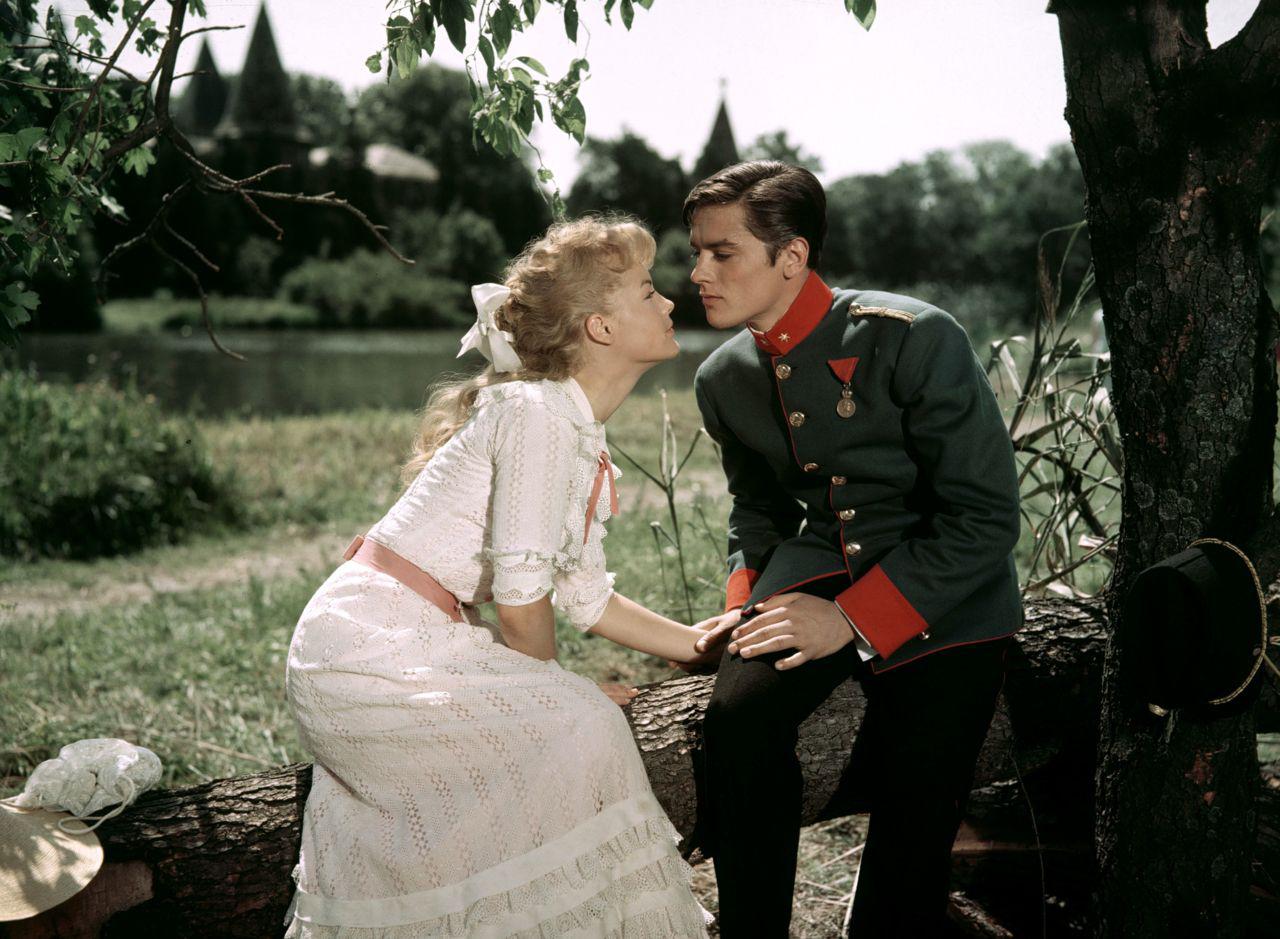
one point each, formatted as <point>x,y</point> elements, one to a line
<point>556,282</point>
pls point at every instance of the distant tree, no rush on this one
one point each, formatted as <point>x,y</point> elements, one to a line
<point>875,227</point>
<point>975,216</point>
<point>630,176</point>
<point>461,244</point>
<point>429,114</point>
<point>671,277</point>
<point>776,146</point>
<point>322,106</point>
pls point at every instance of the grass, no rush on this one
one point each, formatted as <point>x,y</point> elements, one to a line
<point>195,673</point>
<point>180,647</point>
<point>149,315</point>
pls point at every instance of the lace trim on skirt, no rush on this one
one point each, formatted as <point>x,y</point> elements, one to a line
<point>623,871</point>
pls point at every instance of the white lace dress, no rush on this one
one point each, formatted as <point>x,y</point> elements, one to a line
<point>462,788</point>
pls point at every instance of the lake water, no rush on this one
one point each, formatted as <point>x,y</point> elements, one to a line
<point>291,372</point>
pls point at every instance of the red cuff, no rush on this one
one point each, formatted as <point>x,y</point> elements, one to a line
<point>882,614</point>
<point>738,590</point>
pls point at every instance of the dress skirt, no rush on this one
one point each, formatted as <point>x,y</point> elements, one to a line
<point>462,788</point>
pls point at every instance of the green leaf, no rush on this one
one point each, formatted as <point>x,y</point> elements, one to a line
<point>574,119</point>
<point>374,63</point>
<point>500,26</point>
<point>571,20</point>
<point>524,115</point>
<point>453,14</point>
<point>424,28</point>
<point>406,58</point>
<point>523,77</point>
<point>647,4</point>
<point>545,175</point>
<point>28,137</point>
<point>531,8</point>
<point>112,206</point>
<point>532,63</point>
<point>138,160</point>
<point>628,13</point>
<point>863,10</point>
<point>486,51</point>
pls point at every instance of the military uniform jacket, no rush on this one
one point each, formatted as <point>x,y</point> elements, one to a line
<point>911,499</point>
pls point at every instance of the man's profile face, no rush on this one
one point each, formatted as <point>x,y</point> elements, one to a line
<point>731,267</point>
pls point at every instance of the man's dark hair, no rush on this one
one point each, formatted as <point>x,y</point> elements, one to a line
<point>781,202</point>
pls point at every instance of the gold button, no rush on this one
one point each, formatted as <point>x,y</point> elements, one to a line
<point>782,370</point>
<point>846,514</point>
<point>796,418</point>
<point>852,548</point>
<point>838,480</point>
<point>811,467</point>
<point>855,308</point>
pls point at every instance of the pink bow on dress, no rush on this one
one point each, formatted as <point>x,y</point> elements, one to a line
<point>605,470</point>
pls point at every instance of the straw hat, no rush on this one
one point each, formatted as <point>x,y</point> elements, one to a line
<point>40,864</point>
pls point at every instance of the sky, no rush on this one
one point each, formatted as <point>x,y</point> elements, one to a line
<point>929,74</point>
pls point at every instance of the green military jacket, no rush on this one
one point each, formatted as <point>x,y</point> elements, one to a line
<point>907,491</point>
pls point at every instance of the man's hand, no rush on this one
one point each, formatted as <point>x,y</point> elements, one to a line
<point>708,646</point>
<point>814,627</point>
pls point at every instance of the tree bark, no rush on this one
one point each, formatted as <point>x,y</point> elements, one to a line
<point>1178,145</point>
<point>214,860</point>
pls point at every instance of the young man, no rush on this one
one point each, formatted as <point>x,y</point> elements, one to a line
<point>874,515</point>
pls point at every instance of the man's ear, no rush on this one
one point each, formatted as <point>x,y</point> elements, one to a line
<point>795,257</point>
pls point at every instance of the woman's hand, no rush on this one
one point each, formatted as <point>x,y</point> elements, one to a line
<point>709,646</point>
<point>620,695</point>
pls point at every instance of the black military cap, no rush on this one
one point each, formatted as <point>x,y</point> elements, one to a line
<point>1196,627</point>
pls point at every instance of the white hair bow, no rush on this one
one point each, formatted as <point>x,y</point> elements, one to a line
<point>485,336</point>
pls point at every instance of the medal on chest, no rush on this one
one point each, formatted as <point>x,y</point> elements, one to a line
<point>843,369</point>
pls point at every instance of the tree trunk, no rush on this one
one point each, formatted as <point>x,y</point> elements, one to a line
<point>1177,142</point>
<point>215,859</point>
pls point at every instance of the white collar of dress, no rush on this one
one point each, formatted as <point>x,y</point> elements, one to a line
<point>579,397</point>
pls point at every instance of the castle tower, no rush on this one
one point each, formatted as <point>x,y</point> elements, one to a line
<point>262,103</point>
<point>720,150</point>
<point>205,100</point>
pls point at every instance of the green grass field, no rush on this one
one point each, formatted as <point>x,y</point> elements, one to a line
<point>181,649</point>
<point>149,315</point>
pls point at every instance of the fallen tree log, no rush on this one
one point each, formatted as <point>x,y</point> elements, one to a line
<point>215,859</point>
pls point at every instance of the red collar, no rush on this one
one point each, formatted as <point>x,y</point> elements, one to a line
<point>806,311</point>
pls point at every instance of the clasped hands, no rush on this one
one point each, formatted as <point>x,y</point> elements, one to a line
<point>812,626</point>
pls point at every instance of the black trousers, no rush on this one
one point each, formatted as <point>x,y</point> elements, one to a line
<point>912,765</point>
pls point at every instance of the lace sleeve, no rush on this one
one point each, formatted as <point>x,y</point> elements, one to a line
<point>533,481</point>
<point>583,590</point>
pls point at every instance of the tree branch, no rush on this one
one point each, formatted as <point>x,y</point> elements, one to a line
<point>1250,60</point>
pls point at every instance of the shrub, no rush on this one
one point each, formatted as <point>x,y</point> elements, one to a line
<point>88,471</point>
<point>369,288</point>
<point>460,245</point>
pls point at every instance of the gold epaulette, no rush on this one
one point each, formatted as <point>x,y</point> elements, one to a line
<point>857,309</point>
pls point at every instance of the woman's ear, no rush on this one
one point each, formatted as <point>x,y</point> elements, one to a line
<point>599,329</point>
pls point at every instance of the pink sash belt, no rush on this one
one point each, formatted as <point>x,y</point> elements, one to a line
<point>381,558</point>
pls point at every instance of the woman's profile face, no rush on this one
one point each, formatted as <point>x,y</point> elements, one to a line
<point>641,320</point>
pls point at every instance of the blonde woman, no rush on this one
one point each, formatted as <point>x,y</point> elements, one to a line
<point>465,784</point>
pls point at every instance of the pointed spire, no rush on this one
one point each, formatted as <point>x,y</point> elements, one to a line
<point>720,151</point>
<point>262,103</point>
<point>205,99</point>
